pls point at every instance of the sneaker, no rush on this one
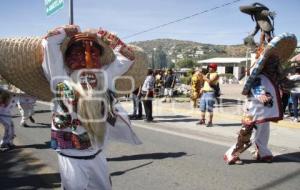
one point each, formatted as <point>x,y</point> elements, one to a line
<point>201,122</point>
<point>24,125</point>
<point>31,119</point>
<point>5,146</point>
<point>234,161</point>
<point>139,118</point>
<point>132,117</point>
<point>11,146</point>
<point>238,161</point>
<point>255,155</point>
<point>209,124</point>
<point>296,120</point>
<point>267,159</point>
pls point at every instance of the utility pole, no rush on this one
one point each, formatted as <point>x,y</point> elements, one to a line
<point>247,65</point>
<point>71,13</point>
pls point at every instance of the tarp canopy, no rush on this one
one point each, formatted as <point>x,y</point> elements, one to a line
<point>296,58</point>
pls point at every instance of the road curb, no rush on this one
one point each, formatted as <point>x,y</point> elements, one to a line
<point>222,116</point>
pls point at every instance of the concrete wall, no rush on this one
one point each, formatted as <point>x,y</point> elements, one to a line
<point>237,69</point>
<point>221,69</point>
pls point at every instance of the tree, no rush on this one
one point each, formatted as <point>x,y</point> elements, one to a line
<point>186,63</point>
<point>160,58</point>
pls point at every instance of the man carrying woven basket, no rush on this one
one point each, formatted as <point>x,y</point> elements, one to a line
<point>80,71</point>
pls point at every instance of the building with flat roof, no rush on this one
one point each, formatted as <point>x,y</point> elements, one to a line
<point>228,65</point>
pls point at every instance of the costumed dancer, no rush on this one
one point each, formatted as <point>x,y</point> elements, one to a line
<point>263,103</point>
<point>262,16</point>
<point>85,109</point>
<point>7,102</point>
<point>26,106</point>
<point>196,85</point>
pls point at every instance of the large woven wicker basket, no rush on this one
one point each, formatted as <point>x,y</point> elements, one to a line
<point>21,65</point>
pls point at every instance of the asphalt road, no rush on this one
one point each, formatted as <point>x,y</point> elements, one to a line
<point>164,161</point>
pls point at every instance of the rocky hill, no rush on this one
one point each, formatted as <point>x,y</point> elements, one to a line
<point>178,49</point>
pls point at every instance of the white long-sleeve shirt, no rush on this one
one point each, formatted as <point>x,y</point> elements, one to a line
<point>148,83</point>
<point>56,72</point>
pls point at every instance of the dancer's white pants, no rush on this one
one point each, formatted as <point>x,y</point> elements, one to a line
<point>9,130</point>
<point>77,174</point>
<point>260,139</point>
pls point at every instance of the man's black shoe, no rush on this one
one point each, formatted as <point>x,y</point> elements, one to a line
<point>132,117</point>
<point>31,119</point>
<point>139,117</point>
<point>25,125</point>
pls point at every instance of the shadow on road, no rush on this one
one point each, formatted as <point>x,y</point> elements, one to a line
<point>228,124</point>
<point>19,171</point>
<point>177,120</point>
<point>290,157</point>
<point>280,180</point>
<point>231,101</point>
<point>153,156</point>
<point>42,111</point>
<point>46,145</point>
<point>171,116</point>
<point>118,173</point>
<point>40,125</point>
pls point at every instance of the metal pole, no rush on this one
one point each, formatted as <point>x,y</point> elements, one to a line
<point>247,66</point>
<point>71,12</point>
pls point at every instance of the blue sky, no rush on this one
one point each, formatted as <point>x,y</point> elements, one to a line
<point>226,25</point>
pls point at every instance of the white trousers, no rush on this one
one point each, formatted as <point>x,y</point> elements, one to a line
<point>77,174</point>
<point>260,139</point>
<point>26,112</point>
<point>9,131</point>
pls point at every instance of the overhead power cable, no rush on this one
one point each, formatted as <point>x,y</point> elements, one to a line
<point>181,19</point>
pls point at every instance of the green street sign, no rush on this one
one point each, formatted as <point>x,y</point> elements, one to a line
<point>52,6</point>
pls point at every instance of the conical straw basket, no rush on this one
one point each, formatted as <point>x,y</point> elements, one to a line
<point>21,65</point>
<point>136,75</point>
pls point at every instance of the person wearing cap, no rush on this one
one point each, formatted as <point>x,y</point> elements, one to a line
<point>85,109</point>
<point>263,104</point>
<point>207,100</point>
